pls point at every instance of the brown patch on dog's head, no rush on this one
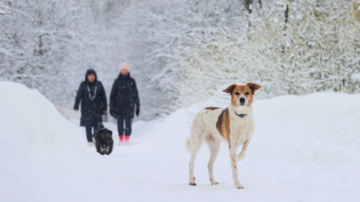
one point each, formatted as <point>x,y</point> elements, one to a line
<point>243,92</point>
<point>253,87</point>
<point>212,108</point>
<point>230,89</point>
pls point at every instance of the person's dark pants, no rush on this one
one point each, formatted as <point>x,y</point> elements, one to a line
<point>124,130</point>
<point>89,133</point>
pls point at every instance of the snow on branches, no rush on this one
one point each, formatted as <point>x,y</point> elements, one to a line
<point>4,10</point>
<point>316,49</point>
<point>41,45</point>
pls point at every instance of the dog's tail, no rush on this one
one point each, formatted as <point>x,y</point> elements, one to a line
<point>187,143</point>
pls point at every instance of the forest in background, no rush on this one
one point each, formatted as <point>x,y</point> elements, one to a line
<point>182,51</point>
<point>296,48</point>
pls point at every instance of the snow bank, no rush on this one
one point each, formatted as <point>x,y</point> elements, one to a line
<point>38,150</point>
<point>321,128</point>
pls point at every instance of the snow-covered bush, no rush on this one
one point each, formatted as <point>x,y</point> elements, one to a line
<point>313,46</point>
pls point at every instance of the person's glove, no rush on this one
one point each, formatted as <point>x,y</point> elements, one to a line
<point>137,111</point>
<point>112,111</point>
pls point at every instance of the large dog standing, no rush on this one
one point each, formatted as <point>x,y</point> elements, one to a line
<point>235,125</point>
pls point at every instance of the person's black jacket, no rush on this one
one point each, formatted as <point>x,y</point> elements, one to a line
<point>124,97</point>
<point>92,106</point>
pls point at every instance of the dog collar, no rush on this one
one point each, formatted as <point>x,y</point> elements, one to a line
<point>240,115</point>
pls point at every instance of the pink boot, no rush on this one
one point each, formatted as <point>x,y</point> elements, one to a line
<point>127,140</point>
<point>121,138</point>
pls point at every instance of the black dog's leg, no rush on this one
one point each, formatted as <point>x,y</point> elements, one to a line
<point>111,146</point>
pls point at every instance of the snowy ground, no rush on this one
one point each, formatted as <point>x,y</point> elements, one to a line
<point>304,149</point>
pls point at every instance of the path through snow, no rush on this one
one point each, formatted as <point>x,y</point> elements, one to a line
<point>304,149</point>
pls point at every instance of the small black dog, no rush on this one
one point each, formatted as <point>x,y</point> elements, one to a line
<point>103,140</point>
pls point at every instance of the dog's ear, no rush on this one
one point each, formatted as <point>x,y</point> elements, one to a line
<point>101,125</point>
<point>253,87</point>
<point>230,89</point>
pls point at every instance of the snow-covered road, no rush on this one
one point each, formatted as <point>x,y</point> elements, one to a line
<point>304,149</point>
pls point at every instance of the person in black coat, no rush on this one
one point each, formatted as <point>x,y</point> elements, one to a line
<point>124,99</point>
<point>92,96</point>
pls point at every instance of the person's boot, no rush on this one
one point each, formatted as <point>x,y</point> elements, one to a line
<point>127,140</point>
<point>90,144</point>
<point>121,139</point>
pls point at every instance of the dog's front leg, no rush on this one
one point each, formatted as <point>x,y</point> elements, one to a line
<point>233,150</point>
<point>243,151</point>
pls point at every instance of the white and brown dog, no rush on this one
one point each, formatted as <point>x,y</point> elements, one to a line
<point>235,125</point>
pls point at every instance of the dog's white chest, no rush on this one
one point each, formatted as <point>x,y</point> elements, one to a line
<point>242,127</point>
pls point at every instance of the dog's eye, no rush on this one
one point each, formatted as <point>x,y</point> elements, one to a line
<point>247,93</point>
<point>237,93</point>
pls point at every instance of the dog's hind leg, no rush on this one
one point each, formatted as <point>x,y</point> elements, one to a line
<point>214,146</point>
<point>194,149</point>
<point>191,169</point>
<point>194,144</point>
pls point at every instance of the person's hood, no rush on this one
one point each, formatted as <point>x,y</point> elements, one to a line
<point>88,72</point>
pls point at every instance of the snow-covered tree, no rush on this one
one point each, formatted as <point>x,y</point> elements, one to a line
<point>42,43</point>
<point>316,50</point>
<point>150,33</point>
<point>174,46</point>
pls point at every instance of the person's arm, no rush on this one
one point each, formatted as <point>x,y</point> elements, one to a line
<point>78,97</point>
<point>113,98</point>
<point>136,99</point>
<point>103,99</point>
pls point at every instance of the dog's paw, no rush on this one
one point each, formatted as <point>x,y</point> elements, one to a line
<point>239,157</point>
<point>192,184</point>
<point>213,182</point>
<point>239,186</point>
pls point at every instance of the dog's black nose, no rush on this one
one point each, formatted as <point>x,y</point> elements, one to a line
<point>242,100</point>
